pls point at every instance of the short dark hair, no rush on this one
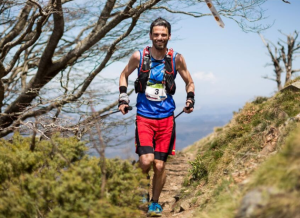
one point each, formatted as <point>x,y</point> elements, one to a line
<point>160,22</point>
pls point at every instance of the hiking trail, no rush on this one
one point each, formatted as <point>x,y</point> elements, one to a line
<point>176,170</point>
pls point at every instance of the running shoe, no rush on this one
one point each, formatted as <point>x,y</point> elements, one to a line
<point>154,210</point>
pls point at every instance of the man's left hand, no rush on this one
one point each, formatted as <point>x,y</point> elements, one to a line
<point>188,109</point>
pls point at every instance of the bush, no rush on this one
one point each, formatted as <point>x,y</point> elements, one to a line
<point>259,100</point>
<point>42,183</point>
<point>198,170</point>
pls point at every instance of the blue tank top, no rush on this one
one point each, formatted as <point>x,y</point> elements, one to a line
<point>155,109</point>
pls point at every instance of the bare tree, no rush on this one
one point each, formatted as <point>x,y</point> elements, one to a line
<point>52,51</point>
<point>275,57</point>
<point>286,54</point>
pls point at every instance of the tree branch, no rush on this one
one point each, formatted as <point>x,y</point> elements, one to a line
<point>26,45</point>
<point>181,12</point>
<point>109,53</point>
<point>10,45</point>
<point>295,71</point>
<point>21,21</point>
<point>46,73</point>
<point>2,72</point>
<point>267,77</point>
<point>56,35</point>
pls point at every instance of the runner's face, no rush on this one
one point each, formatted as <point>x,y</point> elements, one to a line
<point>160,37</point>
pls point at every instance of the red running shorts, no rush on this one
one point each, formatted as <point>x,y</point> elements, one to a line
<point>155,136</point>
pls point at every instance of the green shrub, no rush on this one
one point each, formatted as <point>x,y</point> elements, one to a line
<point>198,170</point>
<point>43,184</point>
<point>260,100</point>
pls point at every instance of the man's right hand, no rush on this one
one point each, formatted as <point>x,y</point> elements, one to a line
<point>123,103</point>
<point>124,108</point>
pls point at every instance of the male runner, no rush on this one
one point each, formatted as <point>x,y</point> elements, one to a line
<point>155,125</point>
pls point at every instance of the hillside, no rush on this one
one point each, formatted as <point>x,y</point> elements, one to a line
<point>248,168</point>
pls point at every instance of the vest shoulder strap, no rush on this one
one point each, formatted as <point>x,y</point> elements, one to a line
<point>145,68</point>
<point>146,61</point>
<point>169,65</point>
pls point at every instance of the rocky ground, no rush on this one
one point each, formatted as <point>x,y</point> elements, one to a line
<point>176,169</point>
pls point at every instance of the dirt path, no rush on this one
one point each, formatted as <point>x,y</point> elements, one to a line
<point>176,169</point>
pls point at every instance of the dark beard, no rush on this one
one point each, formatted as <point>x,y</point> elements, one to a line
<point>160,47</point>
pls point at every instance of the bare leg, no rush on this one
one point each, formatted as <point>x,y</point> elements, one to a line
<point>159,178</point>
<point>146,161</point>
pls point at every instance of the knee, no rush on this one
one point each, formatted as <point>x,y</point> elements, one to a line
<point>159,167</point>
<point>145,163</point>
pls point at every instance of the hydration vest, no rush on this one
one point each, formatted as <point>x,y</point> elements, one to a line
<point>169,73</point>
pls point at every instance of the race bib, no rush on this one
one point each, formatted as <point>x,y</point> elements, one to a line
<point>155,92</point>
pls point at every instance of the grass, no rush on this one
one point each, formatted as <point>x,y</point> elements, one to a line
<point>236,147</point>
<point>280,172</point>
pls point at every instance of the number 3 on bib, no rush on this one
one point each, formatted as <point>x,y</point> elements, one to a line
<point>156,92</point>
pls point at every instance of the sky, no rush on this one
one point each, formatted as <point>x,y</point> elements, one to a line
<point>227,65</point>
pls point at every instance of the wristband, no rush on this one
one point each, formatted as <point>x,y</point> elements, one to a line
<point>124,97</point>
<point>123,89</point>
<point>190,96</point>
<point>122,102</point>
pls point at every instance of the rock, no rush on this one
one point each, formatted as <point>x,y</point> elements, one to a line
<point>239,176</point>
<point>168,204</point>
<point>254,200</point>
<point>295,87</point>
<point>269,148</point>
<point>177,197</point>
<point>259,127</point>
<point>291,120</point>
<point>297,118</point>
<point>185,206</point>
<point>170,200</point>
<point>177,209</point>
<point>282,115</point>
<point>270,139</point>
